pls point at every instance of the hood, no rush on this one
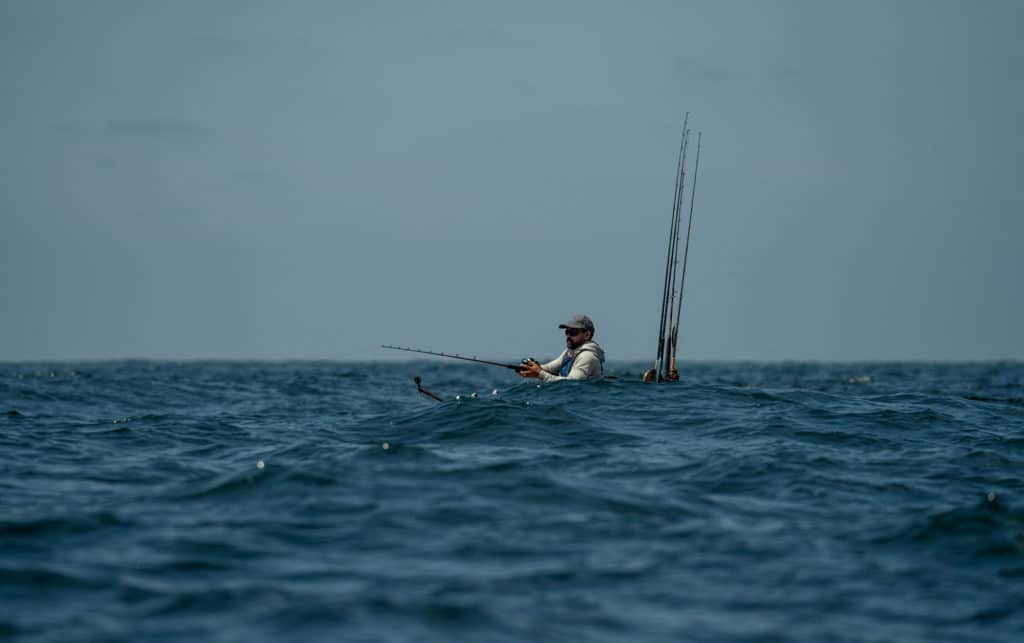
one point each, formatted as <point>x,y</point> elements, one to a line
<point>591,347</point>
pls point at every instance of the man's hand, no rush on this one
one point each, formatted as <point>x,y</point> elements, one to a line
<point>529,368</point>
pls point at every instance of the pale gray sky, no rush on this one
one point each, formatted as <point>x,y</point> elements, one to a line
<point>313,179</point>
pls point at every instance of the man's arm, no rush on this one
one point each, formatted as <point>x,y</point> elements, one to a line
<point>554,365</point>
<point>586,365</point>
<point>534,368</point>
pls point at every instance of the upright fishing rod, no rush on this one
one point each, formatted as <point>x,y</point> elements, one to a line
<point>671,250</point>
<point>670,323</point>
<point>686,255</point>
<point>515,367</point>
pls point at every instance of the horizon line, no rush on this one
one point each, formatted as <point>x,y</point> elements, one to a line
<point>341,360</point>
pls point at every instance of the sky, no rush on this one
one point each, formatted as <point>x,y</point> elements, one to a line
<point>310,180</point>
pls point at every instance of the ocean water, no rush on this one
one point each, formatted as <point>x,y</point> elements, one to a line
<point>224,501</point>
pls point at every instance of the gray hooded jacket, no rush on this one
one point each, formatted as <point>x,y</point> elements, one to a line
<point>588,363</point>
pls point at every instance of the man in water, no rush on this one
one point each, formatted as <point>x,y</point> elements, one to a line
<point>582,358</point>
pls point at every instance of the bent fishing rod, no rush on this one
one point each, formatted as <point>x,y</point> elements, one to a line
<point>515,367</point>
<point>419,387</point>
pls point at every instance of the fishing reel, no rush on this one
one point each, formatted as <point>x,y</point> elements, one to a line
<point>525,363</point>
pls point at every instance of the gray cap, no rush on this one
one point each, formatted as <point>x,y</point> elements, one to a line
<point>578,321</point>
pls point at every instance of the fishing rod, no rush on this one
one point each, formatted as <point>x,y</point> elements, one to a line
<point>674,222</point>
<point>668,259</point>
<point>686,255</point>
<point>515,367</point>
<point>672,321</point>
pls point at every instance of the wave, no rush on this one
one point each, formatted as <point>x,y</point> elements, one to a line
<point>285,500</point>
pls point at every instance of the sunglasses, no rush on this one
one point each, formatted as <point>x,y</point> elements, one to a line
<point>573,332</point>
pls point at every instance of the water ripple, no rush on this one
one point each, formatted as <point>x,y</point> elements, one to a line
<point>308,501</point>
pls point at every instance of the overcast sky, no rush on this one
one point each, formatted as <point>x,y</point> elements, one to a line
<point>312,179</point>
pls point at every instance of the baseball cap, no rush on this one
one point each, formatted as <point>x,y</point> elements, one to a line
<point>578,321</point>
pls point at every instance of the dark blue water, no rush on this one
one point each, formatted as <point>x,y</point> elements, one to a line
<point>752,502</point>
